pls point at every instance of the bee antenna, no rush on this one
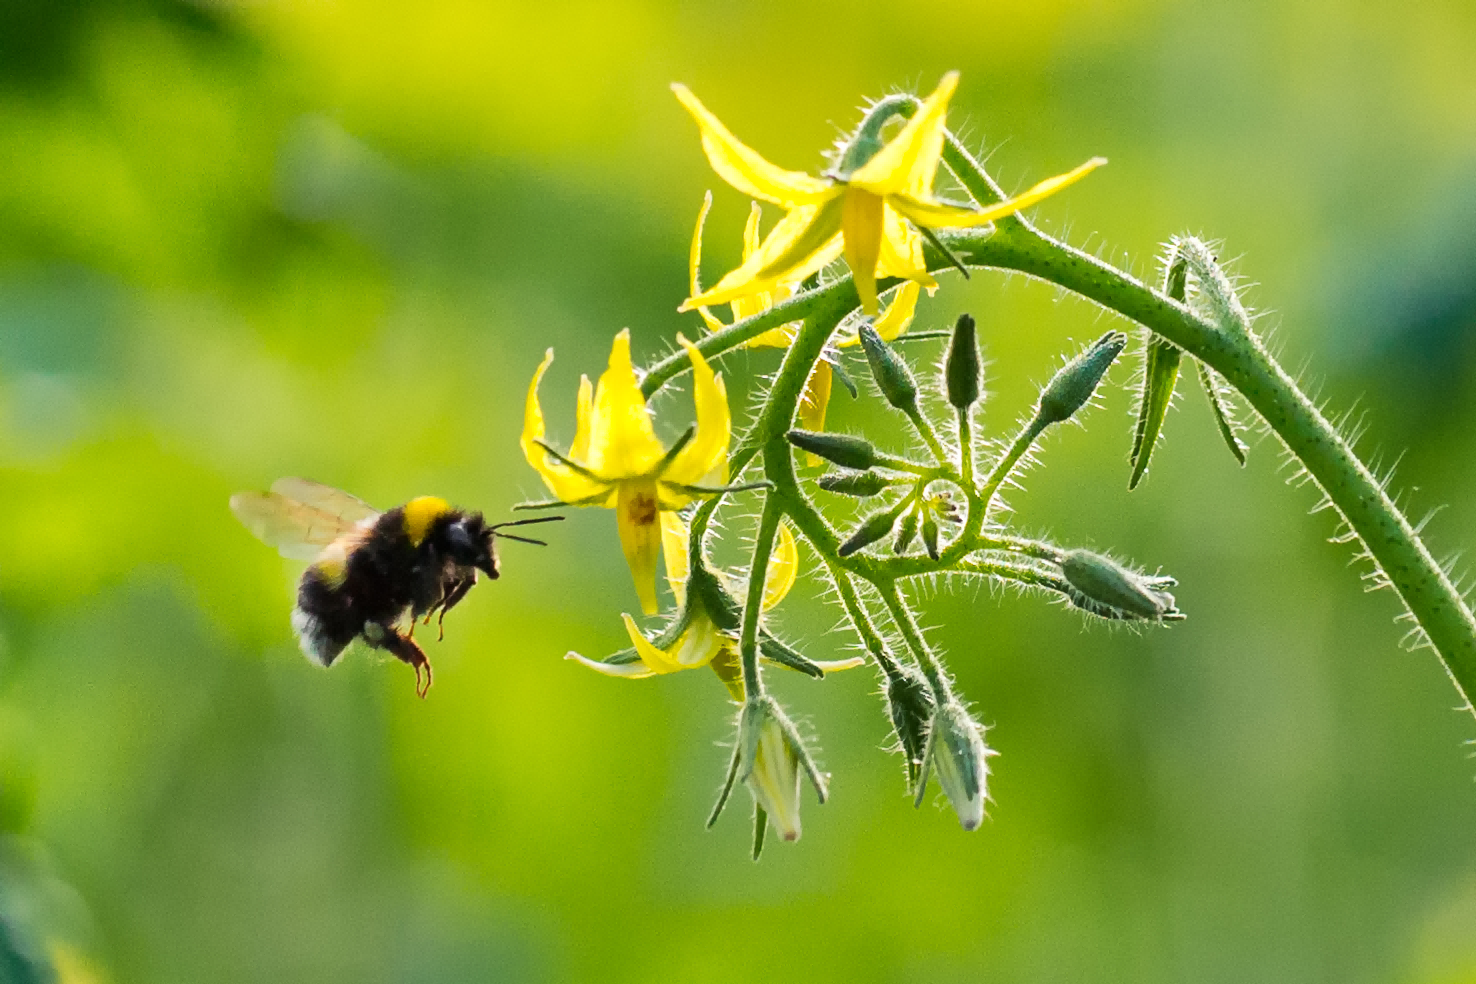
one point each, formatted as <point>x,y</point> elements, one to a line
<point>524,522</point>
<point>523,539</point>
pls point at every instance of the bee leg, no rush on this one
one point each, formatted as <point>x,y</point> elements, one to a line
<point>452,598</point>
<point>404,648</point>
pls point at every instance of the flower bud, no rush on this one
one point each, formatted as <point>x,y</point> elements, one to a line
<point>888,369</point>
<point>867,140</point>
<point>962,371</point>
<point>862,485</point>
<point>771,761</point>
<point>873,528</point>
<point>1105,584</point>
<point>842,449</point>
<point>930,535</point>
<point>1071,387</point>
<point>907,530</point>
<point>910,706</point>
<point>956,754</point>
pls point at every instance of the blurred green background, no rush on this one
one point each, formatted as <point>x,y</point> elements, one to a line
<point>245,240</point>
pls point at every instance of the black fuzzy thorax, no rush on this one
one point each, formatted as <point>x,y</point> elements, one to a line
<point>385,576</point>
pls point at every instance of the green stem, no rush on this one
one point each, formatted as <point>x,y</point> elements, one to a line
<point>763,546</point>
<point>870,638</point>
<point>902,616</point>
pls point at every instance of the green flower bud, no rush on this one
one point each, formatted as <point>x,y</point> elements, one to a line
<point>1071,387</point>
<point>771,760</point>
<point>888,369</point>
<point>862,485</point>
<point>962,371</point>
<point>873,528</point>
<point>906,530</point>
<point>930,535</point>
<point>842,449</point>
<point>1109,589</point>
<point>910,706</point>
<point>867,139</point>
<point>957,755</point>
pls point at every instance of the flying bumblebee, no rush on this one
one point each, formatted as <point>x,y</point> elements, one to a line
<point>370,569</point>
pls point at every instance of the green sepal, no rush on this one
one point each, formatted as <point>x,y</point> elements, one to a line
<point>760,827</point>
<point>1161,360</point>
<point>1223,417</point>
<point>840,449</point>
<point>906,532</point>
<point>930,535</point>
<point>910,707</point>
<point>776,651</point>
<point>887,368</point>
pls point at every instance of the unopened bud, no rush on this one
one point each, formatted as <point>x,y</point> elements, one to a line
<point>956,754</point>
<point>841,449</point>
<point>1105,584</point>
<point>930,535</point>
<point>962,371</point>
<point>887,368</point>
<point>906,531</point>
<point>1071,387</point>
<point>867,139</point>
<point>910,706</point>
<point>862,485</point>
<point>771,761</point>
<point>873,528</point>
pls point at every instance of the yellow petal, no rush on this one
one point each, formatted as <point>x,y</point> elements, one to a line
<point>908,161</point>
<point>640,537</point>
<point>694,263</point>
<point>566,484</point>
<point>743,168</point>
<point>695,463</point>
<point>630,671</point>
<point>832,665</point>
<point>936,216</point>
<point>621,441</point>
<point>751,232</point>
<point>783,568</point>
<point>583,412</point>
<point>802,242</point>
<point>674,552</point>
<point>654,659</point>
<point>814,401</point>
<point>898,315</point>
<point>861,225</point>
<point>902,250</point>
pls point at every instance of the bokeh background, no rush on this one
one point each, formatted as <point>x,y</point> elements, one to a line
<point>243,240</point>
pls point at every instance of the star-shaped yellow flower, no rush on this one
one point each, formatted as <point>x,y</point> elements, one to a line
<point>705,632</point>
<point>616,460</point>
<point>816,396</point>
<point>864,214</point>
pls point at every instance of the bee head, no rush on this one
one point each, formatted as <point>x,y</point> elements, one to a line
<point>469,540</point>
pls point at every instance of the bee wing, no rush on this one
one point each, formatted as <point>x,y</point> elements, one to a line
<point>300,529</point>
<point>325,499</point>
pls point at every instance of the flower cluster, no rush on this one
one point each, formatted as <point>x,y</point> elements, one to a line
<point>869,227</point>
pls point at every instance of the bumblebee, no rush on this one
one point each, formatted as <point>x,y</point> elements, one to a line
<point>370,569</point>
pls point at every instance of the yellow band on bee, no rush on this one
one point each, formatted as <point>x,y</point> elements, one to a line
<point>420,514</point>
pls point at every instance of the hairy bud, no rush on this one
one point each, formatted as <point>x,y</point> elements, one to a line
<point>906,530</point>
<point>1125,593</point>
<point>1071,387</point>
<point>841,449</point>
<point>873,528</point>
<point>962,371</point>
<point>957,756</point>
<point>862,485</point>
<point>910,706</point>
<point>890,372</point>
<point>930,535</point>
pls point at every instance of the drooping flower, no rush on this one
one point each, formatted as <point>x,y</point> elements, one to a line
<point>815,398</point>
<point>617,462</point>
<point>867,209</point>
<point>705,631</point>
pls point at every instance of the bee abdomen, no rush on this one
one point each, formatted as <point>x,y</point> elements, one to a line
<point>318,642</point>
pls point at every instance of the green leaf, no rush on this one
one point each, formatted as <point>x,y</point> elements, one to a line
<point>1160,374</point>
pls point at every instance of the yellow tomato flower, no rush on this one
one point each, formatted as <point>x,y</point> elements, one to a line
<point>703,636</point>
<point>616,460</point>
<point>864,215</point>
<point>816,396</point>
